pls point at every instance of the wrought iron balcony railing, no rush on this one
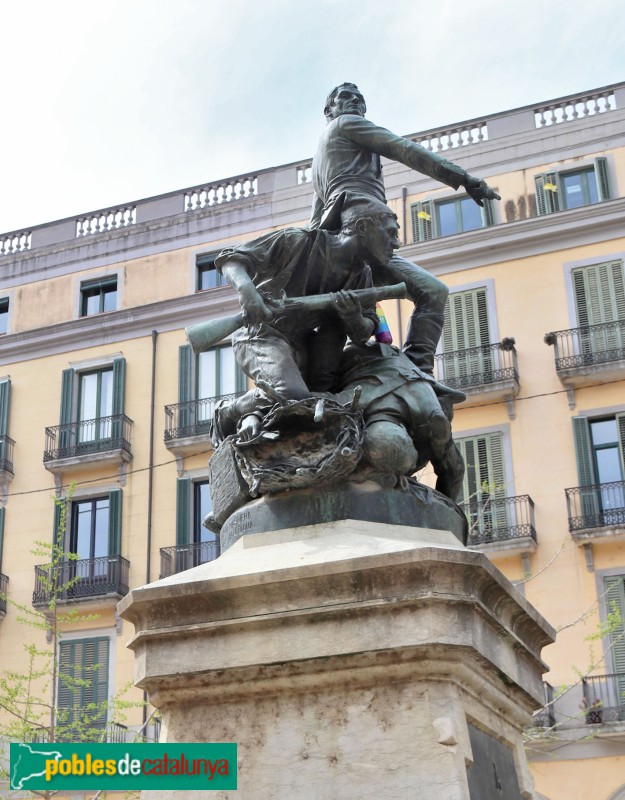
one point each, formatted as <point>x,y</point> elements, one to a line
<point>88,436</point>
<point>601,505</point>
<point>604,698</point>
<point>192,418</point>
<point>478,366</point>
<point>81,579</point>
<point>6,454</point>
<point>184,556</point>
<point>4,585</point>
<point>588,346</point>
<point>499,519</point>
<point>545,718</point>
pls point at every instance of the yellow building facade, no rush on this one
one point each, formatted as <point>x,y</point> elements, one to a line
<point>99,389</point>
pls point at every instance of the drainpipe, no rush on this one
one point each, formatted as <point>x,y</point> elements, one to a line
<point>404,199</point>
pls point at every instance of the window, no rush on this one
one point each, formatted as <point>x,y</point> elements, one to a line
<point>195,544</point>
<point>615,601</point>
<point>83,688</point>
<point>4,315</point>
<point>203,378</point>
<point>600,451</point>
<point>467,358</point>
<point>6,444</point>
<point>484,483</point>
<point>94,527</point>
<point>599,292</point>
<point>98,296</point>
<point>92,407</point>
<point>572,189</point>
<point>445,217</point>
<point>207,275</point>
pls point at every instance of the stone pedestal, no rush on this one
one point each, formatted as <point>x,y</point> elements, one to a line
<point>352,660</point>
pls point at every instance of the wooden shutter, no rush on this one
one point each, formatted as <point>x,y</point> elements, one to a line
<point>183,511</point>
<point>547,200</point>
<point>185,377</point>
<point>68,408</point>
<point>620,424</point>
<point>115,522</point>
<point>484,481</point>
<point>589,498</point>
<point>83,678</point>
<point>599,293</point>
<point>615,601</point>
<point>421,218</point>
<point>5,397</point>
<point>1,534</point>
<point>119,390</point>
<point>601,174</point>
<point>466,326</point>
<point>56,525</point>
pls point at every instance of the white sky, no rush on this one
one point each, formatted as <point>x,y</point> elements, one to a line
<point>108,102</point>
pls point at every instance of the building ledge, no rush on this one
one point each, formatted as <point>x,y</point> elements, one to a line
<point>118,456</point>
<point>606,533</point>
<point>189,445</point>
<point>506,547</point>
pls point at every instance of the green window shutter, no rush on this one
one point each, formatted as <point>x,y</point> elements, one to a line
<point>547,198</point>
<point>421,218</point>
<point>487,213</point>
<point>620,423</point>
<point>615,601</point>
<point>67,660</point>
<point>56,524</point>
<point>5,398</point>
<point>466,326</point>
<point>599,293</point>
<point>67,396</point>
<point>95,674</point>
<point>1,534</point>
<point>583,451</point>
<point>185,373</point>
<point>115,522</point>
<point>183,511</point>
<point>83,679</point>
<point>119,390</point>
<point>484,481</point>
<point>601,174</point>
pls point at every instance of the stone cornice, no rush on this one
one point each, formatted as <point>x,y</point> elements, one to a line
<point>118,326</point>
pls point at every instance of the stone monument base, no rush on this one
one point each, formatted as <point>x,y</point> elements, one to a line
<point>352,660</point>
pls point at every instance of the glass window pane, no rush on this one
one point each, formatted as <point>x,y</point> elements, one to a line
<point>206,368</point>
<point>593,194</point>
<point>203,506</point>
<point>88,396</point>
<point>110,299</point>
<point>471,215</point>
<point>106,393</point>
<point>447,218</point>
<point>573,190</point>
<point>608,465</point>
<point>227,371</point>
<point>604,432</point>
<point>82,536</point>
<point>101,538</point>
<point>4,316</point>
<point>208,278</point>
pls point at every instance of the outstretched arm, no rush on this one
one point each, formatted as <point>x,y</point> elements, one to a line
<point>386,143</point>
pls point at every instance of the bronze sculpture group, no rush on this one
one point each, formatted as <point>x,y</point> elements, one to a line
<point>331,404</point>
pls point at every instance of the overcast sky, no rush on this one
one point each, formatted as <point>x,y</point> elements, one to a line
<point>108,102</point>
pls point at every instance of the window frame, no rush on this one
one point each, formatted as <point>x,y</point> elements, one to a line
<point>549,201</point>
<point>100,288</point>
<point>425,217</point>
<point>205,264</point>
<point>5,312</point>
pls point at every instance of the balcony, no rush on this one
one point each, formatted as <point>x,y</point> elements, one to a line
<point>597,511</point>
<point>594,353</point>
<point>184,556</point>
<point>4,585</point>
<point>501,526</point>
<point>484,373</point>
<point>105,440</point>
<point>83,579</point>
<point>545,717</point>
<point>6,459</point>
<point>187,425</point>
<point>604,698</point>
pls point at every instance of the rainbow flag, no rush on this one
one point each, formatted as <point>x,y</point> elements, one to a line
<point>383,333</point>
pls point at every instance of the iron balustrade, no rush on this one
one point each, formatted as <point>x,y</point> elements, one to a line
<point>88,436</point>
<point>499,519</point>
<point>6,454</point>
<point>545,718</point>
<point>604,698</point>
<point>588,346</point>
<point>601,505</point>
<point>477,366</point>
<point>192,418</point>
<point>184,556</point>
<point>4,585</point>
<point>81,578</point>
